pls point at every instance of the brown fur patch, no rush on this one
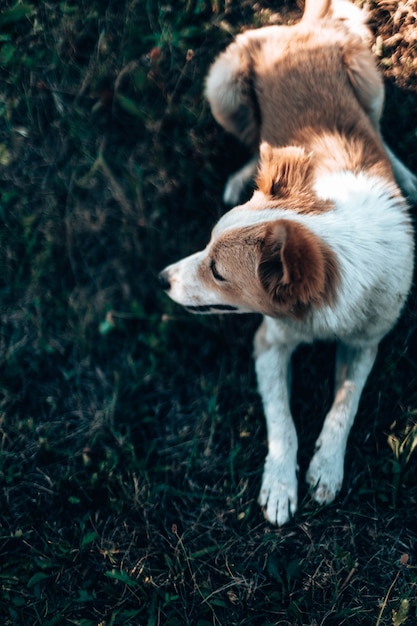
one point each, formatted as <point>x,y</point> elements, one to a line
<point>276,268</point>
<point>315,10</point>
<point>315,86</point>
<point>287,72</point>
<point>288,174</point>
<point>297,270</point>
<point>305,131</point>
<point>366,81</point>
<point>284,171</point>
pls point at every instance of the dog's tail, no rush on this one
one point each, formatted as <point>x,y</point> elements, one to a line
<point>315,10</point>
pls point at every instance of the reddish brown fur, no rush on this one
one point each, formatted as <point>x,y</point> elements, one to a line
<point>284,171</point>
<point>277,79</point>
<point>296,269</point>
<point>287,77</point>
<point>287,174</point>
<point>315,9</point>
<point>281,270</point>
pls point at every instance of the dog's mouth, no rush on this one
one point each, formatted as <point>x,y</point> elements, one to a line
<point>210,308</point>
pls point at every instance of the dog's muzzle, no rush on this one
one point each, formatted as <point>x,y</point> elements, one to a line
<point>165,283</point>
<point>209,308</point>
<point>164,280</point>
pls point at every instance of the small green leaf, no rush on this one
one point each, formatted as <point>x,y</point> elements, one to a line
<point>273,569</point>
<point>105,327</point>
<point>121,576</point>
<point>16,13</point>
<point>37,578</point>
<point>89,538</point>
<point>129,106</point>
<point>84,596</point>
<point>7,54</point>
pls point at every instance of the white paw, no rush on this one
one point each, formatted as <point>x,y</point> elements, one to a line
<point>409,188</point>
<point>278,495</point>
<point>234,189</point>
<point>325,476</point>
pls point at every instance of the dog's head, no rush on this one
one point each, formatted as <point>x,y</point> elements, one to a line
<point>256,262</point>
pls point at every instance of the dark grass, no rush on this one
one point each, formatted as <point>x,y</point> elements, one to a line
<point>132,436</point>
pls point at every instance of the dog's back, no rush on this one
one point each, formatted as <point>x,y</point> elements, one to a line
<point>313,84</point>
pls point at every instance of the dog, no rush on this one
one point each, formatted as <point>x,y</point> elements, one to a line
<point>324,247</point>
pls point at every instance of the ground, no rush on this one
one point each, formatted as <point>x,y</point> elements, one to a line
<point>132,436</point>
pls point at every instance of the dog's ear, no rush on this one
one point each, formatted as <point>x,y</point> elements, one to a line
<point>284,171</point>
<point>296,269</point>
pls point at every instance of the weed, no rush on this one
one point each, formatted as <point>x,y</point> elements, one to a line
<point>131,434</point>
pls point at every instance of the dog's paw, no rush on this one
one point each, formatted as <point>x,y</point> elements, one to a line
<point>325,476</point>
<point>234,189</point>
<point>238,184</point>
<point>410,189</point>
<point>278,495</point>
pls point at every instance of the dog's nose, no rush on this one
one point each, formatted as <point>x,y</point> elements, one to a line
<point>164,280</point>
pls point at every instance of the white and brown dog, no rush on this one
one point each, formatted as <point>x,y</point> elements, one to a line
<point>324,248</point>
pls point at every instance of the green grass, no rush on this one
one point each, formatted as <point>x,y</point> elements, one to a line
<point>132,437</point>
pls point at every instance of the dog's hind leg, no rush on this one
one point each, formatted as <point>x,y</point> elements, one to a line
<point>365,79</point>
<point>325,474</point>
<point>369,90</point>
<point>231,95</point>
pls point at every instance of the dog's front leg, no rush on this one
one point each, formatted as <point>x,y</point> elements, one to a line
<point>325,474</point>
<point>278,494</point>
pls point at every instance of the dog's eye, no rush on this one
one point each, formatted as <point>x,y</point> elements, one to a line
<point>215,273</point>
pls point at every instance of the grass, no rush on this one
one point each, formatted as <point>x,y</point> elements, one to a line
<point>132,436</point>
